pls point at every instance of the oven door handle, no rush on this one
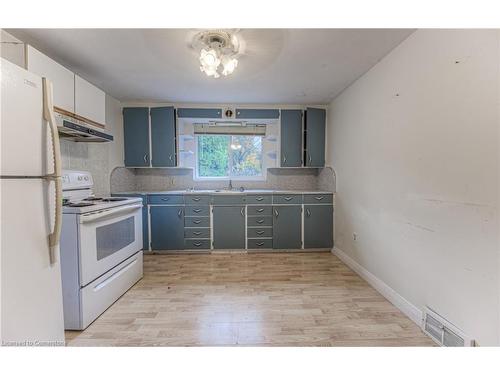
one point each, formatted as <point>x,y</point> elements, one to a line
<point>87,218</point>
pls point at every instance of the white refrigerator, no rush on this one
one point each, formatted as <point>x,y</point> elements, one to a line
<point>31,311</point>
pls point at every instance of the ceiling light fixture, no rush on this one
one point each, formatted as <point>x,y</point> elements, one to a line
<point>218,51</point>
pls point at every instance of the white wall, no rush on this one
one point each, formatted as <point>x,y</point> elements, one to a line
<point>415,145</point>
<point>11,48</point>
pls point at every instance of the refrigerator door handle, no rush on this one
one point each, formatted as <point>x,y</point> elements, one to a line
<point>48,114</point>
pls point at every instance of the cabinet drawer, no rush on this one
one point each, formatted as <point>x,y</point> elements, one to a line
<point>259,221</point>
<point>259,199</point>
<point>287,199</point>
<point>259,232</point>
<point>259,210</point>
<point>197,211</point>
<point>165,199</point>
<point>197,244</point>
<point>260,243</point>
<point>197,233</point>
<point>318,198</point>
<point>197,199</point>
<point>197,222</point>
<point>229,199</point>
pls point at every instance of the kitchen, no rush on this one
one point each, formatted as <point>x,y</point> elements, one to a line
<point>207,194</point>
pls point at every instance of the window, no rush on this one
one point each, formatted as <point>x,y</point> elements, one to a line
<point>229,156</point>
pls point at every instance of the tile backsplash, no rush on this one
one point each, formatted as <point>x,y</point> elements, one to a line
<point>91,157</point>
<point>159,179</point>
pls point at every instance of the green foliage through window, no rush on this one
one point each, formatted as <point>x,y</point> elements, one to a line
<point>229,156</point>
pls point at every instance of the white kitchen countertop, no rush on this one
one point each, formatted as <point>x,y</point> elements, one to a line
<point>225,192</point>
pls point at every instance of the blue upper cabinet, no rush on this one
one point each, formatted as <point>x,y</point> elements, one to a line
<point>291,138</point>
<point>246,113</point>
<point>136,136</point>
<point>199,113</point>
<point>163,137</point>
<point>314,134</point>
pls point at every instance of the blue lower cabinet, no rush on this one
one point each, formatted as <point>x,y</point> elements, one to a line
<point>229,227</point>
<point>287,227</point>
<point>167,227</point>
<point>318,226</point>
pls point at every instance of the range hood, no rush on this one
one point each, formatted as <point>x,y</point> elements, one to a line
<point>80,131</point>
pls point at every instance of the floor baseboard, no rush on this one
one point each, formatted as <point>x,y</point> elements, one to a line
<point>396,299</point>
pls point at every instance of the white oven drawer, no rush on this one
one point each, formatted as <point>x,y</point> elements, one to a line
<point>103,292</point>
<point>108,238</point>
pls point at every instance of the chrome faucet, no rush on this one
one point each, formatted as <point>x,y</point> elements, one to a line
<point>230,187</point>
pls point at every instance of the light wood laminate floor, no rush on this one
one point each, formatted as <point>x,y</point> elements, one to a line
<point>280,299</point>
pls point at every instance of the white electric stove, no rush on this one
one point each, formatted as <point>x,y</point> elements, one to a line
<point>101,242</point>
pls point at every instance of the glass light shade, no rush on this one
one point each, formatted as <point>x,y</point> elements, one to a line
<point>229,65</point>
<point>209,58</point>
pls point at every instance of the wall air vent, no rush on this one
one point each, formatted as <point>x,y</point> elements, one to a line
<point>442,331</point>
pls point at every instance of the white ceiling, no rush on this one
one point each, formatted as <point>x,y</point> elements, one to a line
<point>287,66</point>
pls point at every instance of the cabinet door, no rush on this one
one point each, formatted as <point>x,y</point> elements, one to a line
<point>136,136</point>
<point>90,101</point>
<point>229,227</point>
<point>291,138</point>
<point>163,136</point>
<point>318,226</point>
<point>199,112</point>
<point>247,113</point>
<point>167,227</point>
<point>63,80</point>
<point>287,227</point>
<point>315,137</point>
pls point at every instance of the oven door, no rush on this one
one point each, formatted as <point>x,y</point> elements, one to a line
<point>107,238</point>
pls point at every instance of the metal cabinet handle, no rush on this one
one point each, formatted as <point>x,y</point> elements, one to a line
<point>260,221</point>
<point>242,211</point>
<point>197,244</point>
<point>260,210</point>
<point>179,213</point>
<point>197,221</point>
<point>197,210</point>
<point>145,158</point>
<point>196,199</point>
<point>165,199</point>
<point>310,159</point>
<point>276,213</point>
<point>259,232</point>
<point>170,157</point>
<point>260,243</point>
<point>318,198</point>
<point>284,159</point>
<point>308,212</point>
<point>259,199</point>
<point>196,233</point>
<point>288,198</point>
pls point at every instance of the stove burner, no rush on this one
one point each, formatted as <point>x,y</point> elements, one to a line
<point>80,204</point>
<point>114,199</point>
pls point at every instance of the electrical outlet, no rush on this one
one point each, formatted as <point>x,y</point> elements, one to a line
<point>354,236</point>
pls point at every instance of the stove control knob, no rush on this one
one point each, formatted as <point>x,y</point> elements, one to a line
<point>79,178</point>
<point>86,178</point>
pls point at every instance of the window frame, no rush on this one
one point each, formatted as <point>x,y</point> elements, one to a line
<point>197,177</point>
